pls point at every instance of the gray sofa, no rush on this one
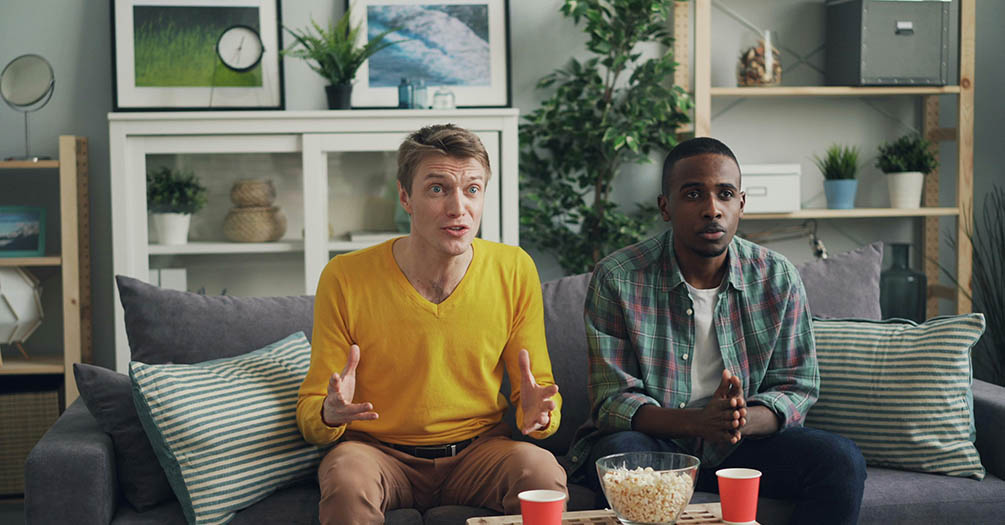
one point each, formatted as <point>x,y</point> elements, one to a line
<point>71,474</point>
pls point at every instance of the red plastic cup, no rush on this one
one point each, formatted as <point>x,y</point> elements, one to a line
<point>738,488</point>
<point>541,507</point>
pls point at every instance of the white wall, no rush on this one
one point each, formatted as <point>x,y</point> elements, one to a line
<point>75,36</point>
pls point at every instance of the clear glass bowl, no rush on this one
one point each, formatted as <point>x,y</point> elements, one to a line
<point>646,488</point>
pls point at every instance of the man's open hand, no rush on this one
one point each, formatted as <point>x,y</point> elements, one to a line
<point>338,408</point>
<point>725,414</point>
<point>535,400</point>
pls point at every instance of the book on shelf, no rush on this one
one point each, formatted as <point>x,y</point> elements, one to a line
<point>373,236</point>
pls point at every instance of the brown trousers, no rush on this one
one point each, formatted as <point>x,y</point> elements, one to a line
<point>361,478</point>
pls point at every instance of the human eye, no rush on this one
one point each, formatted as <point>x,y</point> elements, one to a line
<point>436,188</point>
<point>726,194</point>
<point>474,189</point>
<point>692,195</point>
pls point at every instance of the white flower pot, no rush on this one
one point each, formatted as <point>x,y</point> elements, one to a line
<point>905,189</point>
<point>172,228</point>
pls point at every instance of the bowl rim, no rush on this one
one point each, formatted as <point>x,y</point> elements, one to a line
<point>696,466</point>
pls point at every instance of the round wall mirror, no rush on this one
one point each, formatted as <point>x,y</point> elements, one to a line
<point>26,84</point>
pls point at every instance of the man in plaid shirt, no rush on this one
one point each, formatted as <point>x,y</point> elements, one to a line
<point>701,343</point>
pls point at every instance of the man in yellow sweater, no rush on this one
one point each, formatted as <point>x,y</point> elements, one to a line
<point>411,338</point>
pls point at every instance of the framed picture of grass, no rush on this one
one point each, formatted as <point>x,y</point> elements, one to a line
<point>459,45</point>
<point>166,55</point>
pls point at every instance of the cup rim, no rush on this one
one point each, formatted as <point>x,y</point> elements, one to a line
<point>542,496</point>
<point>738,473</point>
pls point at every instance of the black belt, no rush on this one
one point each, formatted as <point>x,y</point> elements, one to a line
<point>432,451</point>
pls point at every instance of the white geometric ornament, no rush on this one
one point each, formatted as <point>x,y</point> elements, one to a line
<point>20,306</point>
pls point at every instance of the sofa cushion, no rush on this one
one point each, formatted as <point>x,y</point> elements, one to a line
<point>894,497</point>
<point>901,391</point>
<point>225,431</point>
<point>108,396</point>
<point>846,284</point>
<point>565,331</point>
<point>168,326</point>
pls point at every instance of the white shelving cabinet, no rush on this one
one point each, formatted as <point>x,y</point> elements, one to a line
<point>313,137</point>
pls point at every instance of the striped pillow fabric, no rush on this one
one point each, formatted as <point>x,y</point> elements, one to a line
<point>225,431</point>
<point>901,391</point>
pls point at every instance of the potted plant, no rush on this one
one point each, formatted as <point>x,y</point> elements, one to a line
<point>334,55</point>
<point>172,197</point>
<point>606,113</point>
<point>839,167</point>
<point>906,161</point>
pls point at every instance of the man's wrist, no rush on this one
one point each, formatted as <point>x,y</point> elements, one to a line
<point>324,421</point>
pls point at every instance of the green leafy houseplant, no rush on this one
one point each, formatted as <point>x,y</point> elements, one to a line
<point>605,112</point>
<point>987,236</point>
<point>839,163</point>
<point>332,52</point>
<point>174,191</point>
<point>908,153</point>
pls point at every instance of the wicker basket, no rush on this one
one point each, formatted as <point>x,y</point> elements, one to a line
<point>24,417</point>
<point>252,193</point>
<point>258,224</point>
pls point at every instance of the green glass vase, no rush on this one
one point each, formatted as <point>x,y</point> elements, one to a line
<point>902,291</point>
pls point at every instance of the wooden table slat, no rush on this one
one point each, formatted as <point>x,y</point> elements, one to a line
<point>694,514</point>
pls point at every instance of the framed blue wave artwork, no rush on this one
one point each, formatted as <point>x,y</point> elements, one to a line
<point>460,45</point>
<point>22,231</point>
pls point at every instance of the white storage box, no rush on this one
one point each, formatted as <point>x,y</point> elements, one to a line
<point>770,188</point>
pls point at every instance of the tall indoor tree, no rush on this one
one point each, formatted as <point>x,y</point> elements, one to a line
<point>604,113</point>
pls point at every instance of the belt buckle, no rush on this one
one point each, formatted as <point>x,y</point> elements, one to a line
<point>451,449</point>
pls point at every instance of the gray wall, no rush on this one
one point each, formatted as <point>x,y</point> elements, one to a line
<point>75,36</point>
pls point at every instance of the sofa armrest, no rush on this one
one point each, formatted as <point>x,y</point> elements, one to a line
<point>70,473</point>
<point>989,418</point>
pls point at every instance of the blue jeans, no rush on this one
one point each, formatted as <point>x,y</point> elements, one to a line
<point>823,472</point>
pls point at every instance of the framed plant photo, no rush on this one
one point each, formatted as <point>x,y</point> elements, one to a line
<point>196,55</point>
<point>22,231</point>
<point>460,45</point>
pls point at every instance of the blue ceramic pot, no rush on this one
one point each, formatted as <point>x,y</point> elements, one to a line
<point>840,193</point>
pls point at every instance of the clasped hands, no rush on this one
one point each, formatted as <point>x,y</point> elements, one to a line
<point>723,418</point>
<point>536,401</point>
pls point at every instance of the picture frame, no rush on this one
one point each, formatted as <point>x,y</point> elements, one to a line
<point>166,55</point>
<point>462,45</point>
<point>22,231</point>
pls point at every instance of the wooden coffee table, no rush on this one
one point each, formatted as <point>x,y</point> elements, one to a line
<point>694,514</point>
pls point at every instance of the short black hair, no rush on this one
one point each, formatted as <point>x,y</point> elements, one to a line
<point>692,148</point>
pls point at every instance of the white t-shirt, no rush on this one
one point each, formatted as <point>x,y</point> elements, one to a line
<point>706,364</point>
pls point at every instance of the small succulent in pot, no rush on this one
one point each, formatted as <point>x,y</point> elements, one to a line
<point>174,191</point>
<point>840,162</point>
<point>908,153</point>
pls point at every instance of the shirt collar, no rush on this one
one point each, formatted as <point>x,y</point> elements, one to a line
<point>672,276</point>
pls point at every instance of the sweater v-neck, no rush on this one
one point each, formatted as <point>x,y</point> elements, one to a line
<point>436,309</point>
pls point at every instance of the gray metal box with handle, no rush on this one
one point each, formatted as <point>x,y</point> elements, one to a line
<point>888,42</point>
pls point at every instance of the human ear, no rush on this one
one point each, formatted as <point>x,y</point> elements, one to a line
<point>664,205</point>
<point>404,199</point>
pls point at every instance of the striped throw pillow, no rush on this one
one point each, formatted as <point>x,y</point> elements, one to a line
<point>901,391</point>
<point>225,431</point>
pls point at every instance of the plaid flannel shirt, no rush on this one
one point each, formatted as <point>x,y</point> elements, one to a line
<point>640,331</point>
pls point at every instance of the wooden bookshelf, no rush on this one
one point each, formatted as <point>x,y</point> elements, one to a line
<point>856,213</point>
<point>34,366</point>
<point>74,263</point>
<point>831,91</point>
<point>53,260</point>
<point>27,164</point>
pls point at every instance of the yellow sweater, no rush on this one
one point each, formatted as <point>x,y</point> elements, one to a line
<point>431,371</point>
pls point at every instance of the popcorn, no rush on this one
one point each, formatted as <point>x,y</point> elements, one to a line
<point>647,496</point>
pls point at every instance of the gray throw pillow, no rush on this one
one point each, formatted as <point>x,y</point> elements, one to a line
<point>168,326</point>
<point>845,285</point>
<point>108,395</point>
<point>565,331</point>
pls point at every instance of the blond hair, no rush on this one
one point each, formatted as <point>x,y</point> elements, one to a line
<point>441,139</point>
